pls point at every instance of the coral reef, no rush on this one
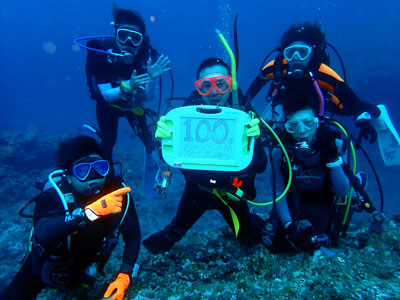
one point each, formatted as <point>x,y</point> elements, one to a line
<point>208,263</point>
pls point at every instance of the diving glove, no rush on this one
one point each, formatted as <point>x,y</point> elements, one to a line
<point>254,128</point>
<point>116,289</point>
<point>108,204</point>
<point>367,131</point>
<point>300,235</point>
<point>162,131</point>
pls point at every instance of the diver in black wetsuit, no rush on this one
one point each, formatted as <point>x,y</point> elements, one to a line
<point>77,227</point>
<point>212,190</point>
<point>308,210</point>
<point>303,50</point>
<point>123,80</point>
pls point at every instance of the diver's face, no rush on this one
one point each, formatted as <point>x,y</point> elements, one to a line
<point>298,55</point>
<point>93,179</point>
<point>128,46</point>
<point>302,124</point>
<point>215,98</point>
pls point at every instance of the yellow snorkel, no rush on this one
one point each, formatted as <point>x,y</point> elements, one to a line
<point>235,104</point>
<point>235,97</point>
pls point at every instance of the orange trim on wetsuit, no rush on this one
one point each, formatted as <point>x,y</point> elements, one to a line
<point>271,63</point>
<point>336,100</point>
<point>323,84</point>
<point>328,71</point>
<point>270,75</point>
<point>328,87</point>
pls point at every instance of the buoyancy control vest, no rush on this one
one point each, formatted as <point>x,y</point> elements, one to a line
<point>56,264</point>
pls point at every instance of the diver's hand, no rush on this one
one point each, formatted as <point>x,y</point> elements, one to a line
<point>162,131</point>
<point>108,204</point>
<point>116,289</point>
<point>159,67</point>
<point>367,131</point>
<point>138,81</point>
<point>300,235</point>
<point>326,144</point>
<point>254,128</point>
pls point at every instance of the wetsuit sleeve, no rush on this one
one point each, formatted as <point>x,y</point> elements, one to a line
<point>54,227</point>
<point>260,159</point>
<point>282,207</point>
<point>94,67</point>
<point>130,230</point>
<point>340,184</point>
<point>109,93</point>
<point>262,79</point>
<point>255,87</point>
<point>352,104</point>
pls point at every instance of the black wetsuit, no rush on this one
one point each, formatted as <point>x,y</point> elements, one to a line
<point>197,198</point>
<point>102,68</point>
<point>89,242</point>
<point>311,195</point>
<point>339,97</point>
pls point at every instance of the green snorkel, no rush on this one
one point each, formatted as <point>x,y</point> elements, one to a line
<point>235,104</point>
<point>235,97</point>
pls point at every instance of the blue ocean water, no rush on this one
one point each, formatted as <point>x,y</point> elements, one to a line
<point>43,83</point>
<point>43,80</point>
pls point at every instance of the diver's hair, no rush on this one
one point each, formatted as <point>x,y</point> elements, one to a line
<point>128,17</point>
<point>212,61</point>
<point>297,101</point>
<point>306,32</point>
<point>72,149</point>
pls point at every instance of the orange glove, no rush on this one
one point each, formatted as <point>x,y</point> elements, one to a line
<point>108,204</point>
<point>116,289</point>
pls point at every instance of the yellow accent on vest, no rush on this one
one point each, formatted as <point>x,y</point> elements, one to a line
<point>136,110</point>
<point>125,86</point>
<point>235,219</point>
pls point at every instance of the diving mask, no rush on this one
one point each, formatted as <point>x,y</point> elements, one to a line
<point>82,170</point>
<point>222,84</point>
<point>124,35</point>
<point>301,51</point>
<point>305,124</point>
<point>302,124</point>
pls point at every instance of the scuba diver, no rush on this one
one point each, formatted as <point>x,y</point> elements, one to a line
<point>205,190</point>
<point>77,221</point>
<point>122,73</point>
<point>302,65</point>
<point>308,215</point>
